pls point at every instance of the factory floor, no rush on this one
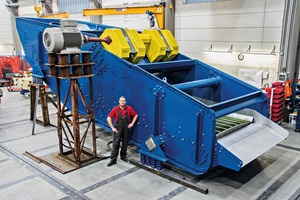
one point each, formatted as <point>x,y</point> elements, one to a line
<point>274,175</point>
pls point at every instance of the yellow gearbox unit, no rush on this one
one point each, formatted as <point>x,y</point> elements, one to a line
<point>119,45</point>
<point>157,47</point>
<point>146,39</point>
<point>138,44</point>
<point>172,45</point>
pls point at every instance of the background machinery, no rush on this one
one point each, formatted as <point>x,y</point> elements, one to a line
<point>190,114</point>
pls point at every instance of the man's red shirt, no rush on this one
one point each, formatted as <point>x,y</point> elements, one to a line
<point>114,113</point>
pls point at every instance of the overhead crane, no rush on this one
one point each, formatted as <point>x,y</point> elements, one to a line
<point>157,10</point>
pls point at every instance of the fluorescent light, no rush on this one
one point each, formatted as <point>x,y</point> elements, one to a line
<point>210,50</point>
<point>259,53</point>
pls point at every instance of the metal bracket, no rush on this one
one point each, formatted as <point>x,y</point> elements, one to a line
<point>212,74</point>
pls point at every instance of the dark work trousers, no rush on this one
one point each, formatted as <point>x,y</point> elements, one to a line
<point>122,127</point>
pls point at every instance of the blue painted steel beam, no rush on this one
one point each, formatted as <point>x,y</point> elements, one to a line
<point>235,104</point>
<point>198,84</point>
<point>239,106</point>
<point>168,65</point>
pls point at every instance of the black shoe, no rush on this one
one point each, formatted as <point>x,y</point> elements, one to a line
<point>124,159</point>
<point>111,163</point>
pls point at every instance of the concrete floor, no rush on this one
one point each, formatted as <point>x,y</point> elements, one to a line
<point>274,175</point>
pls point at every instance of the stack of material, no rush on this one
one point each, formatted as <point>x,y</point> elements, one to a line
<point>276,99</point>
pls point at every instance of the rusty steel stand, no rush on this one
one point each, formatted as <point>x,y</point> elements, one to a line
<point>38,91</point>
<point>77,149</point>
<point>75,154</point>
<point>75,142</point>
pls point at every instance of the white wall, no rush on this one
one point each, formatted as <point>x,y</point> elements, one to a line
<point>6,38</point>
<point>138,21</point>
<point>238,22</point>
<point>26,9</point>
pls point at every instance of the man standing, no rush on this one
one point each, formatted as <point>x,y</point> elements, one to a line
<point>124,118</point>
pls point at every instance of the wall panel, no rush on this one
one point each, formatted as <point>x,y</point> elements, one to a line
<point>221,35</point>
<point>226,7</point>
<point>6,39</point>
<point>273,19</point>
<point>237,22</point>
<point>220,21</point>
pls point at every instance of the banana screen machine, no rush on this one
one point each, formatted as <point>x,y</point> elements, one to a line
<point>191,115</point>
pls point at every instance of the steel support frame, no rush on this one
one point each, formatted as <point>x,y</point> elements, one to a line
<point>38,91</point>
<point>74,139</point>
<point>69,123</point>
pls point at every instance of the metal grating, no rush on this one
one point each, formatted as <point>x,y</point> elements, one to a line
<point>226,125</point>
